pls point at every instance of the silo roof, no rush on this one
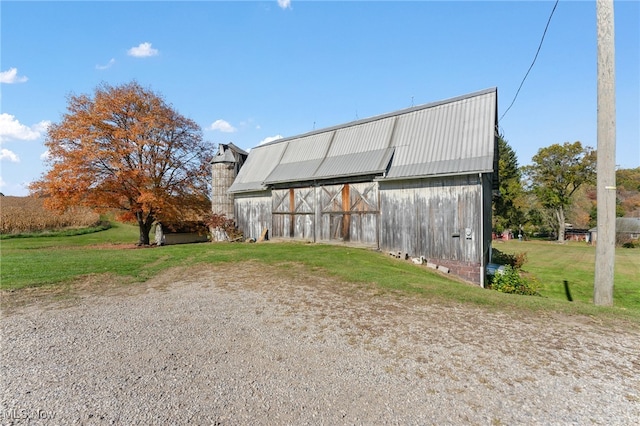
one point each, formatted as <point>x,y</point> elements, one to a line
<point>225,153</point>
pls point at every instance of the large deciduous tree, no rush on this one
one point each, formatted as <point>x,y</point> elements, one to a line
<point>126,149</point>
<point>555,175</point>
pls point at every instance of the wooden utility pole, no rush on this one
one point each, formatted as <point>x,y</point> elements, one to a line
<point>606,179</point>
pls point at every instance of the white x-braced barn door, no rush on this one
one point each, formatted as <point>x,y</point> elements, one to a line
<point>349,212</point>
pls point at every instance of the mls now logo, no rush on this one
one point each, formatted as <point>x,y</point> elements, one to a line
<point>24,414</point>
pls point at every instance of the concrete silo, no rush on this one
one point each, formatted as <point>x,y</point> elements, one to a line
<point>224,168</point>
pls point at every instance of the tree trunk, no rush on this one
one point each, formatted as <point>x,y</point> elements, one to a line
<point>560,217</point>
<point>144,225</point>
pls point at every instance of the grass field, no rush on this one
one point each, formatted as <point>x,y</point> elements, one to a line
<point>552,263</point>
<point>59,260</point>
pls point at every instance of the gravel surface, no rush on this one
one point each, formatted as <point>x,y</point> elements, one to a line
<point>250,344</point>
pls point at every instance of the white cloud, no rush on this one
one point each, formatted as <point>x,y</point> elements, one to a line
<point>45,155</point>
<point>270,139</point>
<point>12,129</point>
<point>42,126</point>
<point>223,126</point>
<point>143,50</point>
<point>5,154</point>
<point>17,190</point>
<point>108,65</point>
<point>284,4</point>
<point>11,76</point>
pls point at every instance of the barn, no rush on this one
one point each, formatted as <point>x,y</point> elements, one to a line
<point>417,181</point>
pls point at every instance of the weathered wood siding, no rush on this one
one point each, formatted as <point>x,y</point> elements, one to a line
<point>436,218</point>
<point>253,213</point>
<point>487,196</point>
<point>446,220</point>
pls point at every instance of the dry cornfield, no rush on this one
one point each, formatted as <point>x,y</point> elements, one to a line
<point>28,214</point>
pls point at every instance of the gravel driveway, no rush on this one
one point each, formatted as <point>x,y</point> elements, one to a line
<point>251,344</point>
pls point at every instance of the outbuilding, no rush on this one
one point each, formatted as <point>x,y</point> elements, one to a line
<point>627,230</point>
<point>417,181</point>
<point>184,232</point>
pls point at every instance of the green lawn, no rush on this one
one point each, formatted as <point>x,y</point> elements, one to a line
<point>55,260</point>
<point>552,263</point>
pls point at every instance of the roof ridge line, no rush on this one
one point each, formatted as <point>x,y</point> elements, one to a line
<point>385,115</point>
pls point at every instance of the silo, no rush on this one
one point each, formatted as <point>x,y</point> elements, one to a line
<point>224,169</point>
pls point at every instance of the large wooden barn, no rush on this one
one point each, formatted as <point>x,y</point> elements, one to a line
<point>417,181</point>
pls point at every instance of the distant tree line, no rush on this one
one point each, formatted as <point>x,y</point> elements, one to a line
<point>558,187</point>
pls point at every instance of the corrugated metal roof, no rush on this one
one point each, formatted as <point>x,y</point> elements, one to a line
<point>313,147</point>
<point>355,164</point>
<point>351,151</point>
<point>453,136</point>
<point>301,159</point>
<point>369,136</point>
<point>259,164</point>
<point>294,171</point>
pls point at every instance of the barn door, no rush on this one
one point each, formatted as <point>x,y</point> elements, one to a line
<point>363,211</point>
<point>350,212</point>
<point>302,225</point>
<point>292,212</point>
<point>280,213</point>
<point>331,212</point>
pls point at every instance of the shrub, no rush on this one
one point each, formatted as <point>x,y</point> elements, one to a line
<point>512,281</point>
<point>221,221</point>
<point>629,244</point>
<point>514,260</point>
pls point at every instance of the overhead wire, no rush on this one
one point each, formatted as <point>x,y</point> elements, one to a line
<point>533,62</point>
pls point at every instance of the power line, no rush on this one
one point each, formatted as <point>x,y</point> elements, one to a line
<point>533,62</point>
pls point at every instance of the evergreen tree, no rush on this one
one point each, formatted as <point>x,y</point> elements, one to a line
<point>508,204</point>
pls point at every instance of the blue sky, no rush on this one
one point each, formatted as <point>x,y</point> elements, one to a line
<point>247,72</point>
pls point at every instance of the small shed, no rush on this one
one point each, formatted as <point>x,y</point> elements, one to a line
<point>575,234</point>
<point>181,233</point>
<point>417,181</point>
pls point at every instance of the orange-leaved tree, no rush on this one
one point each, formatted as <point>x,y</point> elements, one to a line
<point>126,149</point>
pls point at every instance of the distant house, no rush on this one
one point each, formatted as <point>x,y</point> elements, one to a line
<point>627,229</point>
<point>417,181</point>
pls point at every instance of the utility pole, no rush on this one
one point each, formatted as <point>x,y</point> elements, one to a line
<point>606,174</point>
